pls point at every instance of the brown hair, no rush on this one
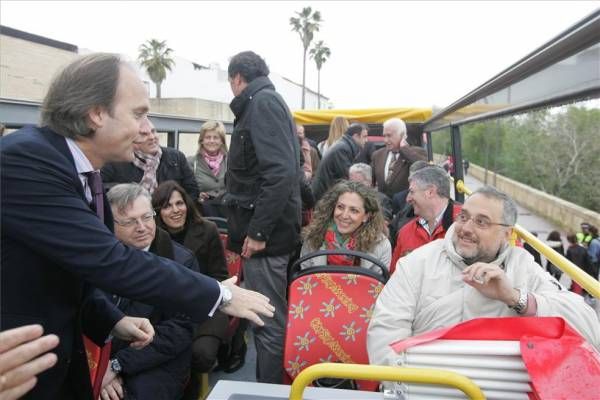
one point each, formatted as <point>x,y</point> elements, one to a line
<point>88,82</point>
<point>161,197</point>
<point>368,234</point>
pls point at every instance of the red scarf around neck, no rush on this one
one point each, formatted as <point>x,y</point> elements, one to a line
<point>335,241</point>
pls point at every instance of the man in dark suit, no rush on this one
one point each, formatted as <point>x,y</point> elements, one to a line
<point>55,248</point>
<point>391,164</point>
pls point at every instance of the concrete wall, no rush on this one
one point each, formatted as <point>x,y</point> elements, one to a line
<point>193,108</point>
<point>565,214</point>
<point>27,68</point>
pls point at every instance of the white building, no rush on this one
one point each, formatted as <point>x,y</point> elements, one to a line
<point>191,80</point>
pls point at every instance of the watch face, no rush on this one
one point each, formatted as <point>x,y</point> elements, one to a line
<point>115,366</point>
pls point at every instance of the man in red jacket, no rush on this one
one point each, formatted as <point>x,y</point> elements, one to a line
<point>429,194</point>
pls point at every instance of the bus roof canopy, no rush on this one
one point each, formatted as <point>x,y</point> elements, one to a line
<point>371,115</point>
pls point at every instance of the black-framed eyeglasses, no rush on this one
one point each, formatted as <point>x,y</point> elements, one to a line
<point>480,221</point>
<point>144,219</point>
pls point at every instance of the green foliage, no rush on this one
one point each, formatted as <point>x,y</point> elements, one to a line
<point>306,23</point>
<point>556,152</point>
<point>155,56</point>
<point>320,53</point>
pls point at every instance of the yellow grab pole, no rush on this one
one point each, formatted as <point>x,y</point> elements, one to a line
<point>381,373</point>
<point>591,285</point>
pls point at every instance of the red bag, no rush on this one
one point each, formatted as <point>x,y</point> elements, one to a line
<point>560,363</point>
<point>98,358</point>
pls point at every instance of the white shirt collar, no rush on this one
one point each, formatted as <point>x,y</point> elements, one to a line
<point>424,224</point>
<point>82,164</point>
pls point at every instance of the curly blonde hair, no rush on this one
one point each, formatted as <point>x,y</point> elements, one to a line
<point>367,235</point>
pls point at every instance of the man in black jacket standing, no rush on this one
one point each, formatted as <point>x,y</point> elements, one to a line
<point>339,158</point>
<point>262,201</point>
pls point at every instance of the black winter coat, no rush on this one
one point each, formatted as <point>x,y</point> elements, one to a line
<point>263,195</point>
<point>335,165</point>
<point>173,166</point>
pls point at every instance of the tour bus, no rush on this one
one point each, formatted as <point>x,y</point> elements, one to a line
<point>545,359</point>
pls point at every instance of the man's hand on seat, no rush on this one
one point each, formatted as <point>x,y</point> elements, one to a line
<point>138,331</point>
<point>247,303</point>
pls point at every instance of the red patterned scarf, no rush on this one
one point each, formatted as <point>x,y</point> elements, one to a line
<point>334,241</point>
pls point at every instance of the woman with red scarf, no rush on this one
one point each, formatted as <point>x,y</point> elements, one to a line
<point>348,217</point>
<point>209,166</point>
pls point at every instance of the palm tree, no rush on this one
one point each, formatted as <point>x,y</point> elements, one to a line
<point>320,53</point>
<point>155,56</point>
<point>306,24</point>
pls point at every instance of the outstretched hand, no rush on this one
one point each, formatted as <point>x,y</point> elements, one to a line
<point>138,331</point>
<point>22,358</point>
<point>247,303</point>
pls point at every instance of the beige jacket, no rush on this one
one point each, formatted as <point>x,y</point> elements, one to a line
<point>427,292</point>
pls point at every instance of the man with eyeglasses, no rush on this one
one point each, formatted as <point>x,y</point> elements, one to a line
<point>473,272</point>
<point>160,370</point>
<point>429,196</point>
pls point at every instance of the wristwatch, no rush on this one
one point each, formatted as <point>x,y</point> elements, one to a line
<point>115,366</point>
<point>521,306</point>
<point>226,296</point>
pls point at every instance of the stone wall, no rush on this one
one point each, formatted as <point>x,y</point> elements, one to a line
<point>565,214</point>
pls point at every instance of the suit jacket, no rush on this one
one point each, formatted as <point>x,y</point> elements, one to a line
<point>53,243</point>
<point>170,353</point>
<point>399,178</point>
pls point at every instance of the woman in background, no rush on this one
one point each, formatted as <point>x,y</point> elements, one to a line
<point>176,213</point>
<point>554,240</point>
<point>348,216</point>
<point>338,126</point>
<point>209,166</point>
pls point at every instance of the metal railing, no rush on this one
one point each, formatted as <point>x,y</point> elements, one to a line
<point>378,372</point>
<point>591,285</point>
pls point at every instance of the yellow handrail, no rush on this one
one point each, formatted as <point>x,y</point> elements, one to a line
<point>378,373</point>
<point>591,285</point>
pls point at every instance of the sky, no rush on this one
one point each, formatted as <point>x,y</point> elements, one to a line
<point>384,53</point>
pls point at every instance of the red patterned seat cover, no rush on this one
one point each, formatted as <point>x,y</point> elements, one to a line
<point>328,316</point>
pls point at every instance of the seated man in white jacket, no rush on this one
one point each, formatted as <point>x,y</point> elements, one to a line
<point>472,273</point>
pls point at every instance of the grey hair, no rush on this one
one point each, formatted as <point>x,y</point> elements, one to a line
<point>397,124</point>
<point>87,82</point>
<point>509,207</point>
<point>417,165</point>
<point>123,195</point>
<point>432,176</point>
<point>364,169</point>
